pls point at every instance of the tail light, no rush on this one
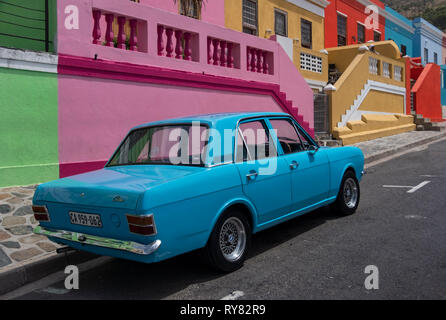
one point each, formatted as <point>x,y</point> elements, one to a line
<point>144,225</point>
<point>41,213</point>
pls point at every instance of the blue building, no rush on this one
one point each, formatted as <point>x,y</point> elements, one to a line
<point>427,42</point>
<point>400,30</point>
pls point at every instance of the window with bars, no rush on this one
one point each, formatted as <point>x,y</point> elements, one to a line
<point>435,58</point>
<point>376,36</point>
<point>342,30</point>
<point>373,65</point>
<point>386,69</point>
<point>310,63</point>
<point>398,73</point>
<point>426,56</point>
<point>280,23</point>
<point>249,17</point>
<point>361,33</point>
<point>190,8</point>
<point>306,31</point>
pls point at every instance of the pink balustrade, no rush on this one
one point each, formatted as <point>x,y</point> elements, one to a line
<point>258,60</point>
<point>122,39</point>
<point>158,34</point>
<point>223,53</point>
<point>177,43</point>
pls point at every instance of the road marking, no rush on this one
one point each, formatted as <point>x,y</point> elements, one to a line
<point>57,291</point>
<point>412,188</point>
<point>234,296</point>
<point>421,185</point>
<point>387,186</point>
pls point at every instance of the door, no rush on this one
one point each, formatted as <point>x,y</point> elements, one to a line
<point>309,166</point>
<point>265,177</point>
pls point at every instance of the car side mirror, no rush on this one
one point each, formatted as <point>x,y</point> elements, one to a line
<point>312,149</point>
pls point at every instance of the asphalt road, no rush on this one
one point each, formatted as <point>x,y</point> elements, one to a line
<point>317,256</point>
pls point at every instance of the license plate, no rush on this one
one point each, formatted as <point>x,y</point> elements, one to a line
<point>86,219</point>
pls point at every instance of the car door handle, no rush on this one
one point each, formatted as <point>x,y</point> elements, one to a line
<point>294,165</point>
<point>252,175</point>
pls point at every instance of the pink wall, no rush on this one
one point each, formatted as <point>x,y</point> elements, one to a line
<point>95,114</point>
<point>101,99</point>
<point>78,42</point>
<point>213,11</point>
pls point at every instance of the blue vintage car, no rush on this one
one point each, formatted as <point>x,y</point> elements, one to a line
<point>207,182</point>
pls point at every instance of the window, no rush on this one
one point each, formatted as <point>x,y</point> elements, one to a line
<point>361,33</point>
<point>435,58</point>
<point>426,56</point>
<point>254,143</point>
<point>249,17</point>
<point>386,69</point>
<point>376,36</point>
<point>306,31</point>
<point>403,50</point>
<point>280,23</point>
<point>310,62</point>
<point>373,65</point>
<point>190,8</point>
<point>342,30</point>
<point>398,73</point>
<point>287,136</point>
<point>167,145</point>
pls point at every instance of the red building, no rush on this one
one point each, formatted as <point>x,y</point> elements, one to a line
<point>351,22</point>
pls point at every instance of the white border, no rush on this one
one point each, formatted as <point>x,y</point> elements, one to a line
<point>28,60</point>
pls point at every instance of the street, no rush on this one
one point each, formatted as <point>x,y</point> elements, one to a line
<point>317,256</point>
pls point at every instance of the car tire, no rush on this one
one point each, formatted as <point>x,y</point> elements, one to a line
<point>348,197</point>
<point>229,242</point>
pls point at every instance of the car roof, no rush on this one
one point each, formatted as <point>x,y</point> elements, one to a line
<point>215,120</point>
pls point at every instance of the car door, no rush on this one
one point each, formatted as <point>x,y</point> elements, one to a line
<point>266,178</point>
<point>309,165</point>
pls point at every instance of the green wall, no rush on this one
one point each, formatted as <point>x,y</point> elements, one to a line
<point>28,127</point>
<point>22,24</point>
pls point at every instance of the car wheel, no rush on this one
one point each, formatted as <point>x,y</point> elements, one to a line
<point>229,242</point>
<point>348,197</point>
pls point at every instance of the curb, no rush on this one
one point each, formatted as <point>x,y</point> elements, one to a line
<point>381,155</point>
<point>20,276</point>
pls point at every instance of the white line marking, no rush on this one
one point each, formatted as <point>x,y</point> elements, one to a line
<point>421,185</point>
<point>387,186</point>
<point>234,296</point>
<point>57,291</point>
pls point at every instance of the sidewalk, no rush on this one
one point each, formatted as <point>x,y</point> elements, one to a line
<point>21,249</point>
<point>18,245</point>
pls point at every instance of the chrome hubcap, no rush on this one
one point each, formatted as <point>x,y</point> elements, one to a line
<point>350,193</point>
<point>232,239</point>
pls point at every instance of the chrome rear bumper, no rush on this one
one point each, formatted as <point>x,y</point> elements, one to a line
<point>82,238</point>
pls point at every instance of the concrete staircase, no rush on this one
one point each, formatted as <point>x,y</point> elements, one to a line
<point>373,126</point>
<point>327,140</point>
<point>425,124</point>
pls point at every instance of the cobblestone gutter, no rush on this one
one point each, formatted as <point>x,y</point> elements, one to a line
<point>18,244</point>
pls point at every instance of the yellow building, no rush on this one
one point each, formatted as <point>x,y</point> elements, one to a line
<point>298,25</point>
<point>368,94</point>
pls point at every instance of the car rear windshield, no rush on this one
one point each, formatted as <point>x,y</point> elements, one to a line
<point>182,144</point>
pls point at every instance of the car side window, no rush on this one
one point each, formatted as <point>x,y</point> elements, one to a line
<point>287,135</point>
<point>254,139</point>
